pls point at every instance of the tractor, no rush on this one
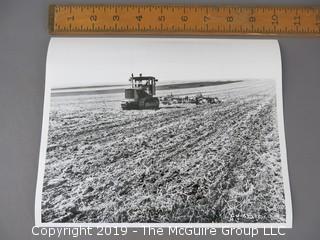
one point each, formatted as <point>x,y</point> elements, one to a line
<point>141,93</point>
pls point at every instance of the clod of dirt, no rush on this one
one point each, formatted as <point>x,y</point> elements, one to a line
<point>89,189</point>
<point>73,209</point>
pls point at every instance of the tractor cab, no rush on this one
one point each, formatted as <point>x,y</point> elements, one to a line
<point>140,94</point>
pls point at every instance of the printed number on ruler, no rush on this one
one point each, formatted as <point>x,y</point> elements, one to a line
<point>183,20</point>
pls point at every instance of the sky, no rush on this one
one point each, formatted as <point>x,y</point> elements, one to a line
<point>73,62</point>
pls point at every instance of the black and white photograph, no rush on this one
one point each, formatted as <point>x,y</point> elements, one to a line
<point>163,131</point>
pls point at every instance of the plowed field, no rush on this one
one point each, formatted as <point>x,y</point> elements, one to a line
<point>183,163</point>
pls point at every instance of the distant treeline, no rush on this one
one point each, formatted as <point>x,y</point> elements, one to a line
<point>84,87</point>
<point>120,90</point>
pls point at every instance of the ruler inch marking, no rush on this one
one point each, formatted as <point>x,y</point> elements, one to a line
<point>193,20</point>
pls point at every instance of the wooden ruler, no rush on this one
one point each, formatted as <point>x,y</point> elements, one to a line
<point>182,20</point>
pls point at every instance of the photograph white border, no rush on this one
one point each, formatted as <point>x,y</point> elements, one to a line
<point>284,167</point>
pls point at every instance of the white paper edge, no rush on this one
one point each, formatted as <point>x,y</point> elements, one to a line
<point>284,167</point>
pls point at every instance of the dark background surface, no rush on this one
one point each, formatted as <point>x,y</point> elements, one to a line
<point>23,46</point>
